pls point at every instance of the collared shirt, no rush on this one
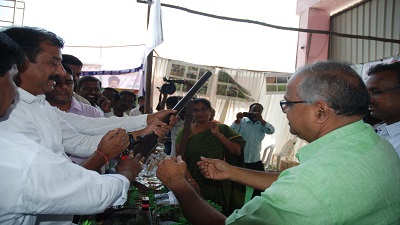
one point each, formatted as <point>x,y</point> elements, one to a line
<point>253,134</point>
<point>104,114</point>
<point>124,114</point>
<point>80,108</point>
<point>35,180</point>
<point>391,133</point>
<point>348,176</point>
<point>135,112</point>
<point>36,118</point>
<point>81,99</point>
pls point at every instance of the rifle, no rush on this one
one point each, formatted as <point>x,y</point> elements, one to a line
<point>146,144</point>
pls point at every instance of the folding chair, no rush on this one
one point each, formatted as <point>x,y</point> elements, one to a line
<point>266,158</point>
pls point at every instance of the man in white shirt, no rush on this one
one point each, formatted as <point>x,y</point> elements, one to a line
<point>136,111</point>
<point>62,98</point>
<point>33,116</point>
<point>35,180</point>
<point>383,84</point>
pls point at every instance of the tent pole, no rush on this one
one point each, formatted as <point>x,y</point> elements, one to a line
<point>148,72</point>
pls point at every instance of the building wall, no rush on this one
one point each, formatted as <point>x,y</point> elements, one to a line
<point>313,47</point>
<point>315,15</point>
<point>378,18</point>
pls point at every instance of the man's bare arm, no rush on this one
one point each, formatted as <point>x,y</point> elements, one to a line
<point>198,211</point>
<point>219,170</point>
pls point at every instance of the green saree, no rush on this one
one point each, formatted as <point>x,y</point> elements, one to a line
<point>228,194</point>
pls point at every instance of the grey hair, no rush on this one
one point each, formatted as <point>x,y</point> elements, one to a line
<point>335,83</point>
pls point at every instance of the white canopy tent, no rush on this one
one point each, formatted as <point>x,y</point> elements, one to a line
<point>112,34</point>
<point>187,37</point>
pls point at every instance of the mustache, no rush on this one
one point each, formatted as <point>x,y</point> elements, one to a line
<point>61,92</point>
<point>56,78</point>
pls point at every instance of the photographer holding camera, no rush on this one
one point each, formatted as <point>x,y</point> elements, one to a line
<point>253,128</point>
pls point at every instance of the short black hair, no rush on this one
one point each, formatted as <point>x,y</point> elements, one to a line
<point>67,69</point>
<point>10,54</point>
<point>30,39</point>
<point>116,93</point>
<point>111,89</point>
<point>85,79</point>
<point>70,59</point>
<point>254,105</point>
<point>172,101</point>
<point>125,92</point>
<point>394,67</point>
<point>141,97</point>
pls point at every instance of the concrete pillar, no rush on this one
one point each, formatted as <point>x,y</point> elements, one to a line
<point>313,47</point>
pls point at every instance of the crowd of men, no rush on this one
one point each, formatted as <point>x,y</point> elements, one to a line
<point>348,172</point>
<point>41,184</point>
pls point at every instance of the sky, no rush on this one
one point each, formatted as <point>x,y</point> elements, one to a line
<point>187,37</point>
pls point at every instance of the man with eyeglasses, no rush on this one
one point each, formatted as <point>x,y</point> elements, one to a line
<point>61,132</point>
<point>383,85</point>
<point>347,173</point>
<point>76,66</point>
<point>62,97</point>
<point>35,180</point>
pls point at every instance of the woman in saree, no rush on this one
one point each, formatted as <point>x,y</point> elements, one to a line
<point>213,140</point>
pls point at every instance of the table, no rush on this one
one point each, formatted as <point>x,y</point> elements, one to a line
<point>145,185</point>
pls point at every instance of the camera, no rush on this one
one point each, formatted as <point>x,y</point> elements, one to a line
<point>169,86</point>
<point>249,115</point>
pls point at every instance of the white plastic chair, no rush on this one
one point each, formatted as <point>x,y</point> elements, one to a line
<point>266,158</point>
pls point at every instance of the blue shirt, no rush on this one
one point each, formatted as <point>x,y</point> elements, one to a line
<point>253,134</point>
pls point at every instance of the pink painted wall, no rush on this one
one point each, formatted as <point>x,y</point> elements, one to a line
<point>315,15</point>
<point>313,47</point>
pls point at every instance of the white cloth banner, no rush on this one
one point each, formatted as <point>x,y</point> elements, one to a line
<point>125,81</point>
<point>154,29</point>
<point>154,37</point>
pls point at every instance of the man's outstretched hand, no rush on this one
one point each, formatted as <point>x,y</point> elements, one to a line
<point>214,168</point>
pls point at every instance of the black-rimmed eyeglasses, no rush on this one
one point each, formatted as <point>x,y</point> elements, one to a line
<point>377,94</point>
<point>284,104</point>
